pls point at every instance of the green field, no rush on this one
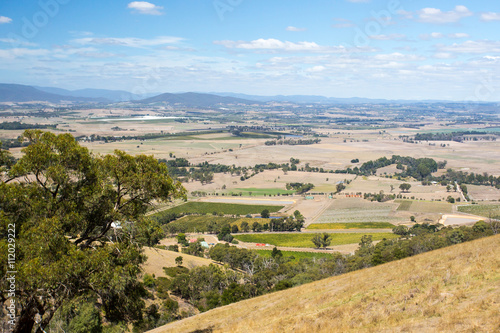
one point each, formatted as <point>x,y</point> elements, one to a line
<point>404,205</point>
<point>481,210</point>
<point>261,191</point>
<point>194,223</point>
<point>219,208</point>
<point>352,225</point>
<point>304,240</point>
<point>296,255</point>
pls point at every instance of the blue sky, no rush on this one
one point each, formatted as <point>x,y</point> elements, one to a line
<point>392,49</point>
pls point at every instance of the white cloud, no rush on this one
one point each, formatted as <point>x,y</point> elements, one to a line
<point>22,52</point>
<point>470,46</point>
<point>16,42</point>
<point>396,56</point>
<point>443,55</point>
<point>295,29</point>
<point>277,45</point>
<point>458,35</point>
<point>272,45</point>
<point>388,37</point>
<point>342,23</point>
<point>129,41</point>
<point>432,35</point>
<point>490,16</point>
<point>143,7</point>
<point>316,69</point>
<point>4,19</point>
<point>434,15</point>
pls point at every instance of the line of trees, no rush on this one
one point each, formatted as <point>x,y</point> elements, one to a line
<point>292,142</point>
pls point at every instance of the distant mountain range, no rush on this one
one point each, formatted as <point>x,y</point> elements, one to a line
<point>196,100</point>
<point>104,94</point>
<point>24,93</point>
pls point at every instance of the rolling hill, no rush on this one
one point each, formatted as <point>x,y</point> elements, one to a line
<point>195,100</point>
<point>454,289</point>
<point>22,93</point>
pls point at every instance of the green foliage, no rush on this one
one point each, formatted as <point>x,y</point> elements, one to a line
<point>149,280</point>
<point>181,239</point>
<point>63,206</point>
<point>80,316</point>
<point>178,260</point>
<point>300,187</point>
<point>174,271</point>
<point>401,230</point>
<point>275,253</point>
<point>16,125</point>
<point>321,240</point>
<point>225,234</point>
<point>265,214</point>
<point>405,187</point>
<point>194,249</point>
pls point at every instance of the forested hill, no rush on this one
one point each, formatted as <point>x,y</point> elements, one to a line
<point>456,286</point>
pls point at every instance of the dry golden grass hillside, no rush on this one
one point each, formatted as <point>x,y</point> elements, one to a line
<point>455,289</point>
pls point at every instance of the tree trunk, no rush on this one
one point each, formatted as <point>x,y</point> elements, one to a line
<point>26,320</point>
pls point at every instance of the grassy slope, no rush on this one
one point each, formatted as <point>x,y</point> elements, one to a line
<point>455,289</point>
<point>158,258</point>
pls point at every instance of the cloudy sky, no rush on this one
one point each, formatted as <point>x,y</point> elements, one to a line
<point>394,49</point>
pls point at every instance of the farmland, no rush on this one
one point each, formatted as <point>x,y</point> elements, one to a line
<point>203,208</point>
<point>296,255</point>
<point>351,225</point>
<point>347,210</point>
<point>304,240</point>
<point>195,224</point>
<point>492,210</point>
<point>424,206</point>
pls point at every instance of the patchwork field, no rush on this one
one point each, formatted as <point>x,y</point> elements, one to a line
<point>347,210</point>
<point>304,239</point>
<point>424,206</point>
<point>483,193</point>
<point>492,210</point>
<point>352,225</point>
<point>374,184</point>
